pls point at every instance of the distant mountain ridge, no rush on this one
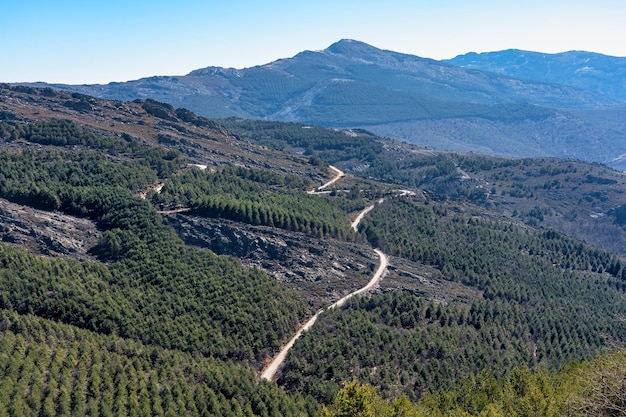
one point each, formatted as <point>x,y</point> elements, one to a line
<point>430,103</point>
<point>587,70</point>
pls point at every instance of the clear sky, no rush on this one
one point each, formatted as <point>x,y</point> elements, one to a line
<point>87,41</point>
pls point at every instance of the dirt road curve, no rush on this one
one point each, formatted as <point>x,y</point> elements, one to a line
<point>338,174</point>
<point>270,371</point>
<point>380,271</point>
<point>355,223</point>
<point>272,368</point>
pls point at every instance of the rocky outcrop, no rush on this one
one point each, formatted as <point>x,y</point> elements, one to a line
<point>226,238</point>
<point>323,270</point>
<point>48,233</point>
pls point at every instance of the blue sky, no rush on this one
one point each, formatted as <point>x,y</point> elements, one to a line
<point>98,42</point>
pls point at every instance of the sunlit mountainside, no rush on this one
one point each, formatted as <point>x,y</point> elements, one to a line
<point>482,104</point>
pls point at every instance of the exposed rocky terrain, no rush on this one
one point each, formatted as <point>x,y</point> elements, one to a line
<point>323,270</point>
<point>48,233</point>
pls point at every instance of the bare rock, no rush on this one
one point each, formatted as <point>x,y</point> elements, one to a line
<point>48,233</point>
<point>324,270</point>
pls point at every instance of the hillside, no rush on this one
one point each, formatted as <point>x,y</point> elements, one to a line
<point>584,200</point>
<point>154,261</point>
<point>426,102</point>
<point>585,70</point>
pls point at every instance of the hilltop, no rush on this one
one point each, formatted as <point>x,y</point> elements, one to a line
<point>578,69</point>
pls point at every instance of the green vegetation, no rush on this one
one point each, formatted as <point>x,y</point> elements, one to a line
<point>542,294</point>
<point>160,293</point>
<point>259,197</point>
<point>331,145</point>
<point>150,326</point>
<point>358,150</point>
<point>154,289</point>
<point>52,369</point>
<point>151,290</point>
<point>593,388</point>
<point>53,180</point>
<point>479,252</point>
<point>360,400</point>
<point>579,199</point>
<point>58,132</point>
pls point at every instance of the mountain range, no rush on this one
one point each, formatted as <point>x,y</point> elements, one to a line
<point>510,103</point>
<point>585,70</point>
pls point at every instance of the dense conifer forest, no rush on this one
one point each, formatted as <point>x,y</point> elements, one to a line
<point>259,197</point>
<point>542,294</point>
<point>152,287</point>
<point>143,324</point>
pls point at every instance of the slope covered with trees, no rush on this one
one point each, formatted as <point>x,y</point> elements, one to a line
<point>143,324</point>
<point>153,288</point>
<point>542,297</point>
<point>592,388</point>
<point>51,369</point>
<point>576,198</point>
<point>258,197</point>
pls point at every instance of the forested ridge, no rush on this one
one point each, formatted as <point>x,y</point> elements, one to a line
<point>146,325</point>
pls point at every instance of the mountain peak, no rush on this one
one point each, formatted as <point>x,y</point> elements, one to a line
<point>344,45</point>
<point>352,48</point>
<point>368,54</point>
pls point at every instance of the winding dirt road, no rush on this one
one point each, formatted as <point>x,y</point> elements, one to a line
<point>338,174</point>
<point>355,223</point>
<point>270,371</point>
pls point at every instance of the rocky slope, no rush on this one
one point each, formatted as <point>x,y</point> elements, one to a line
<point>45,232</point>
<point>322,270</point>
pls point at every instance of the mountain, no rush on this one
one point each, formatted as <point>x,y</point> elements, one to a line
<point>348,73</point>
<point>579,69</point>
<point>155,261</point>
<point>422,101</point>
